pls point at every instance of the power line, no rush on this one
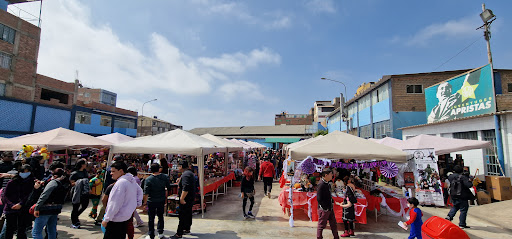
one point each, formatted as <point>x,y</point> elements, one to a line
<point>465,48</point>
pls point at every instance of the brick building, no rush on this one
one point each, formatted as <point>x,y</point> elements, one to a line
<point>30,102</point>
<point>101,96</point>
<point>293,119</point>
<point>153,126</point>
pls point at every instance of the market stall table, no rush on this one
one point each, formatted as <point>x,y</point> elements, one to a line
<point>307,201</point>
<point>212,185</point>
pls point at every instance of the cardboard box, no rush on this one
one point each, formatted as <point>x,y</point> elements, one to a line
<point>483,198</point>
<point>499,187</point>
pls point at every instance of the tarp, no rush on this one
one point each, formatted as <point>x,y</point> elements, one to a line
<point>245,143</point>
<point>443,145</point>
<point>339,145</point>
<point>231,146</point>
<point>245,146</point>
<point>55,139</point>
<point>115,138</point>
<point>256,145</point>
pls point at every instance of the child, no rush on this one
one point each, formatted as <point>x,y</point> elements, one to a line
<point>96,186</point>
<point>247,189</point>
<point>415,218</point>
<point>349,215</point>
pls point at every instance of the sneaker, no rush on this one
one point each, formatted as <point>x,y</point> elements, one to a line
<point>161,236</point>
<point>140,224</point>
<point>186,231</point>
<point>448,218</point>
<point>176,236</point>
<point>149,237</point>
<point>75,226</point>
<point>246,216</point>
<point>464,227</point>
<point>250,214</point>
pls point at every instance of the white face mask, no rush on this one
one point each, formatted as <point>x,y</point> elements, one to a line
<point>24,175</point>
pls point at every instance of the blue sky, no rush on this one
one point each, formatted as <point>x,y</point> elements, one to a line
<point>234,63</point>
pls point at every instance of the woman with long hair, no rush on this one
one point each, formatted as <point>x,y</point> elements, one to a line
<point>247,188</point>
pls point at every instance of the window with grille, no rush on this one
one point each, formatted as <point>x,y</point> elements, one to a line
<point>82,117</point>
<point>7,34</point>
<point>128,124</point>
<point>414,89</point>
<point>472,135</point>
<point>5,60</point>
<point>366,131</point>
<point>381,129</point>
<point>493,165</point>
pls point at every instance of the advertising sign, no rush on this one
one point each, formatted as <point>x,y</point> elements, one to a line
<point>426,175</point>
<point>463,96</point>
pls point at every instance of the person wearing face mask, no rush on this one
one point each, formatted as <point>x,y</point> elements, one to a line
<point>14,197</point>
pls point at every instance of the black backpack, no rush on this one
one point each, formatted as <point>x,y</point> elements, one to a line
<point>456,187</point>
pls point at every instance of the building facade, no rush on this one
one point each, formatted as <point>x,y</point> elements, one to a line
<point>152,126</point>
<point>31,103</point>
<point>101,96</point>
<point>488,126</point>
<point>392,103</point>
<point>293,119</point>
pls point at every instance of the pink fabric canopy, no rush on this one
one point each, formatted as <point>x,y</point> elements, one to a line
<point>443,145</point>
<point>115,138</point>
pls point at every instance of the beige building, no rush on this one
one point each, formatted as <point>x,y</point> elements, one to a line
<point>153,126</point>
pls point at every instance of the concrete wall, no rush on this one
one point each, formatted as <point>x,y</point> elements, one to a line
<point>333,123</point>
<point>404,119</point>
<point>381,111</point>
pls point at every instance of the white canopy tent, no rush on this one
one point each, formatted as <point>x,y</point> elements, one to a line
<point>231,146</point>
<point>173,142</point>
<point>256,145</point>
<point>55,139</point>
<point>248,146</point>
<point>244,146</point>
<point>303,142</point>
<point>443,145</point>
<point>338,145</point>
<point>388,141</point>
<point>115,138</point>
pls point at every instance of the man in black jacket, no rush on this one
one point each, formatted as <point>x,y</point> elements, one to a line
<point>460,194</point>
<point>187,186</point>
<point>325,207</point>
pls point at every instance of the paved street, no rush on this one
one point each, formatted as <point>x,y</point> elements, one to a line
<point>224,220</point>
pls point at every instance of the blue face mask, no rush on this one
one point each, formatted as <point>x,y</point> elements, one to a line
<point>24,175</point>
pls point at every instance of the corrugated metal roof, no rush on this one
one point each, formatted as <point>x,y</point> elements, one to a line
<point>282,130</point>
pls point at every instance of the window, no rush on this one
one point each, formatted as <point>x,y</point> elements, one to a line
<point>327,109</point>
<point>50,94</point>
<point>106,121</point>
<point>87,95</point>
<point>2,89</point>
<point>364,102</point>
<point>122,123</point>
<point>509,87</point>
<point>5,60</point>
<point>352,109</point>
<point>381,129</point>
<point>366,131</point>
<point>493,165</point>
<point>414,89</point>
<point>82,117</point>
<point>7,34</point>
<point>473,135</point>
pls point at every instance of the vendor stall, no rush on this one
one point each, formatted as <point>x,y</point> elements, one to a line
<point>174,142</point>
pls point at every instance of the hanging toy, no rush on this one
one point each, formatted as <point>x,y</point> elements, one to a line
<point>44,152</point>
<point>27,149</point>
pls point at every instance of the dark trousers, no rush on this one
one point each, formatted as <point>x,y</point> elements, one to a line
<point>463,206</point>
<point>185,216</point>
<point>115,230</point>
<point>323,217</point>
<point>17,222</point>
<point>77,210</point>
<point>349,225</point>
<point>245,202</point>
<point>156,208</point>
<point>267,182</point>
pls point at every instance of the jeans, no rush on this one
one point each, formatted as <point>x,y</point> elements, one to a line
<point>156,208</point>
<point>50,221</point>
<point>185,216</point>
<point>267,182</point>
<point>463,206</point>
<point>77,210</point>
<point>245,202</point>
<point>323,217</point>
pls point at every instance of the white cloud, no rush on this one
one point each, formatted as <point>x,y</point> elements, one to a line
<point>321,6</point>
<point>268,20</point>
<point>453,29</point>
<point>240,62</point>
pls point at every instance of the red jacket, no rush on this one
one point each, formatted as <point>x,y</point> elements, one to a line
<point>267,169</point>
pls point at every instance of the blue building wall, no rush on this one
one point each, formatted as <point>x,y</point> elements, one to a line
<point>3,5</point>
<point>51,118</point>
<point>333,123</point>
<point>364,117</point>
<point>405,119</point>
<point>126,131</point>
<point>15,116</point>
<point>94,127</point>
<point>381,111</point>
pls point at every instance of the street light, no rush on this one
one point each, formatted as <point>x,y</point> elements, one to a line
<point>487,17</point>
<point>342,100</point>
<point>142,118</point>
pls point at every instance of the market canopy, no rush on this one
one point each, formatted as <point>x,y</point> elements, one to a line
<point>255,145</point>
<point>115,138</point>
<point>231,146</point>
<point>296,144</point>
<point>339,145</point>
<point>389,141</point>
<point>443,145</point>
<point>172,142</point>
<point>55,139</point>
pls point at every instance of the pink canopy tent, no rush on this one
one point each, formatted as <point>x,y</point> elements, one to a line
<point>391,142</point>
<point>443,145</point>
